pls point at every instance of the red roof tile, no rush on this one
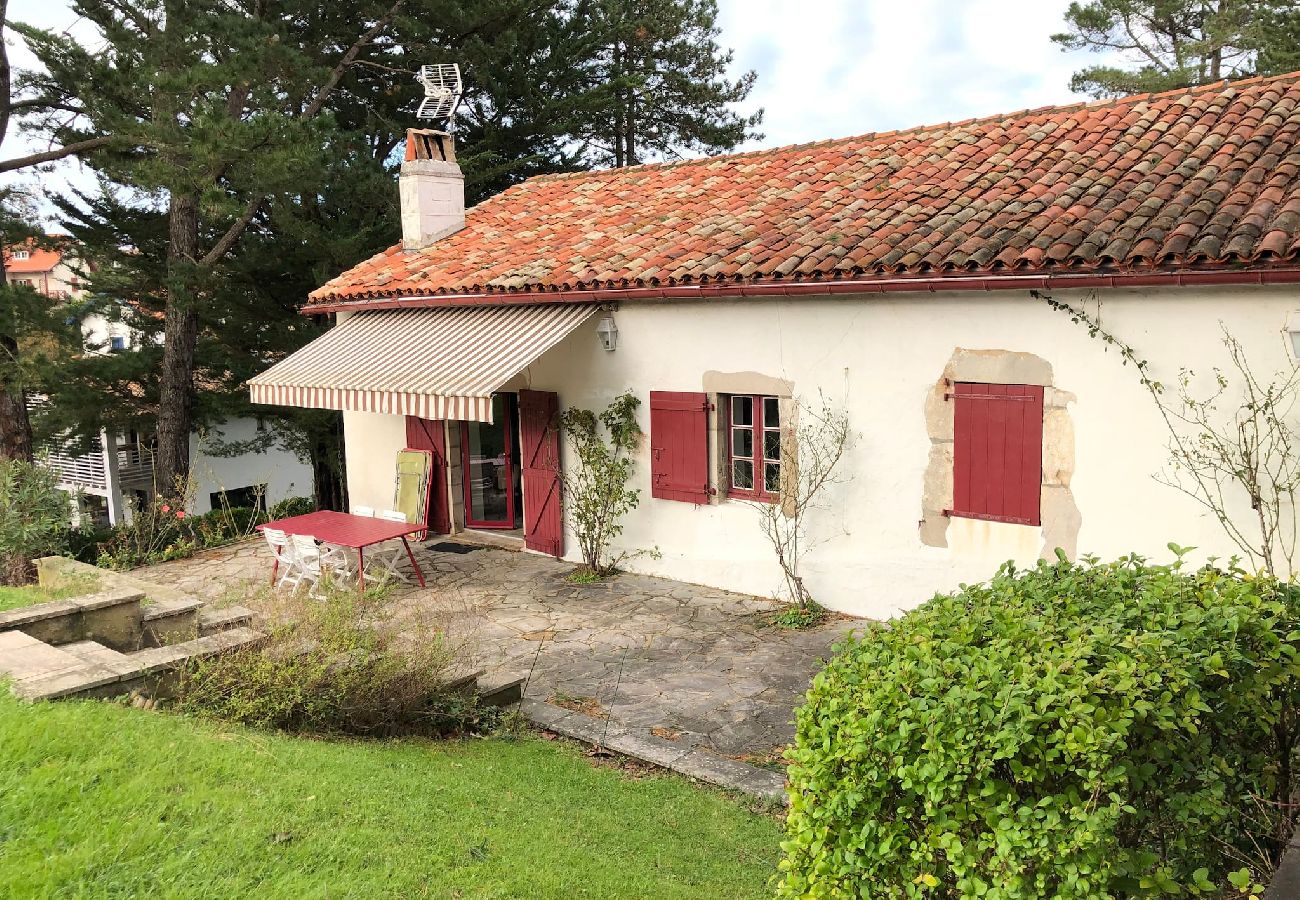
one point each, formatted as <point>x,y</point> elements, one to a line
<point>37,260</point>
<point>1204,179</point>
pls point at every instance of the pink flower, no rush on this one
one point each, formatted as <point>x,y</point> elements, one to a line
<point>166,508</point>
<point>180,514</point>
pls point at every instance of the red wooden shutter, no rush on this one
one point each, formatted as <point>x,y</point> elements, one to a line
<point>426,434</point>
<point>539,439</point>
<point>679,446</point>
<point>998,452</point>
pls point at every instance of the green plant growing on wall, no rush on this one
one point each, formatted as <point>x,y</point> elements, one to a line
<point>597,496</point>
<point>813,442</point>
<point>33,517</point>
<point>1231,442</point>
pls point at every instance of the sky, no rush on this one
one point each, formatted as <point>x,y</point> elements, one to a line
<point>826,68</point>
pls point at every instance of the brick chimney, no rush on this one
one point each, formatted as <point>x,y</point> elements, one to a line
<point>432,189</point>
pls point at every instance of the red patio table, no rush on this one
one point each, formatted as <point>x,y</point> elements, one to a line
<point>347,530</point>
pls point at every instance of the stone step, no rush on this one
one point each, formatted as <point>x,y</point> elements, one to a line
<point>23,658</point>
<point>695,762</point>
<point>112,617</point>
<point>496,690</point>
<point>169,621</point>
<point>213,620</point>
<point>93,653</point>
<point>96,674</point>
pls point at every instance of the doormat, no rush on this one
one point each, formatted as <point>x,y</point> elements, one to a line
<point>449,547</point>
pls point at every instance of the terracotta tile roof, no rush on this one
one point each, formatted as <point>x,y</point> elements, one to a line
<point>1203,179</point>
<point>38,260</point>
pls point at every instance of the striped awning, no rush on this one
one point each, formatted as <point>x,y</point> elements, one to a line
<point>431,363</point>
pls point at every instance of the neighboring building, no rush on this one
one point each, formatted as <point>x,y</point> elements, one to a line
<point>891,274</point>
<point>120,466</point>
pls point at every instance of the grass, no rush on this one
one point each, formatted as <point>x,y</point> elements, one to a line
<point>28,595</point>
<point>98,800</point>
<point>15,597</point>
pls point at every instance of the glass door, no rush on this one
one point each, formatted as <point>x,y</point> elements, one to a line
<point>489,468</point>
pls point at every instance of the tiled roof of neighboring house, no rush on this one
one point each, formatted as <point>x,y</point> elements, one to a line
<point>1201,179</point>
<point>38,260</point>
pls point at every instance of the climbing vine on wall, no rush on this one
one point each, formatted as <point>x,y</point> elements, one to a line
<point>1231,439</point>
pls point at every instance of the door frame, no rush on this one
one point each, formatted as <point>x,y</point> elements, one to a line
<point>431,435</point>
<point>511,450</point>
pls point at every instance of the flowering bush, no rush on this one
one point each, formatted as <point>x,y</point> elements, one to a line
<point>163,529</point>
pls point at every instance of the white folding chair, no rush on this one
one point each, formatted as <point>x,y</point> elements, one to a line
<point>282,552</point>
<point>307,564</point>
<point>383,560</point>
<point>339,558</point>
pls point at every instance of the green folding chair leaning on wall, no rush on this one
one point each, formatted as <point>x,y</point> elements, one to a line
<point>412,488</point>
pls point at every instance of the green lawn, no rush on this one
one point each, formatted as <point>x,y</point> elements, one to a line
<point>97,800</point>
<point>14,597</point>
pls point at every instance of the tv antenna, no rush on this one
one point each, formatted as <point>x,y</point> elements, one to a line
<point>442,92</point>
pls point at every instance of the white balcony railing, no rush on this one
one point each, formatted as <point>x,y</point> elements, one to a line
<point>90,470</point>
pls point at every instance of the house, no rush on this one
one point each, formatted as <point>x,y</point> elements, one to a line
<point>118,467</point>
<point>898,275</point>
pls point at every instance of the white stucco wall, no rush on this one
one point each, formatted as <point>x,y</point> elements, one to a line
<point>97,331</point>
<point>371,442</point>
<point>283,473</point>
<point>881,356</point>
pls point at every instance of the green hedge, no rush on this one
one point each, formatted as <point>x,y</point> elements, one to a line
<point>1093,730</point>
<point>292,506</point>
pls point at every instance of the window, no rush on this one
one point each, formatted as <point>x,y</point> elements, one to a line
<point>21,254</point>
<point>251,497</point>
<point>679,446</point>
<point>997,452</point>
<point>754,446</point>
<point>117,343</point>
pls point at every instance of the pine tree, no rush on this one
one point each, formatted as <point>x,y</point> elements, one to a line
<point>663,85</point>
<point>1178,43</point>
<point>215,106</point>
<point>251,157</point>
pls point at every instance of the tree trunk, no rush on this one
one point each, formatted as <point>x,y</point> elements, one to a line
<point>15,426</point>
<point>619,111</point>
<point>328,473</point>
<point>629,130</point>
<point>180,334</point>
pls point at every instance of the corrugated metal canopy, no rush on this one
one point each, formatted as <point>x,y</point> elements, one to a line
<point>431,363</point>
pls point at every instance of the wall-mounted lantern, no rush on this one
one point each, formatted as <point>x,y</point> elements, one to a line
<point>607,331</point>
<point>1293,335</point>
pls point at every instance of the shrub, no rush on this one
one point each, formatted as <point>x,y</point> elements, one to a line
<point>1092,730</point>
<point>292,506</point>
<point>33,516</point>
<point>595,485</point>
<point>164,529</point>
<point>342,665</point>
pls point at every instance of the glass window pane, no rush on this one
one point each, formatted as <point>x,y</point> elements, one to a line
<point>772,477</point>
<point>742,474</point>
<point>742,410</point>
<point>771,412</point>
<point>772,445</point>
<point>742,442</point>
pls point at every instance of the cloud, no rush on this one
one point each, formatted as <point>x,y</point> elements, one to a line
<point>826,68</point>
<point>830,68</point>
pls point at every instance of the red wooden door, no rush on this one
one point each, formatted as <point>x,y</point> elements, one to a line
<point>539,440</point>
<point>427,434</point>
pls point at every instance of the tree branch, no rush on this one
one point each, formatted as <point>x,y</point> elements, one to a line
<point>85,146</point>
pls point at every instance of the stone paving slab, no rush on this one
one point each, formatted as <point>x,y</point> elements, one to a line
<point>649,652</point>
<point>690,761</point>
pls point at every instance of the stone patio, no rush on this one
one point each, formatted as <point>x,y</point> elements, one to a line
<point>688,663</point>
